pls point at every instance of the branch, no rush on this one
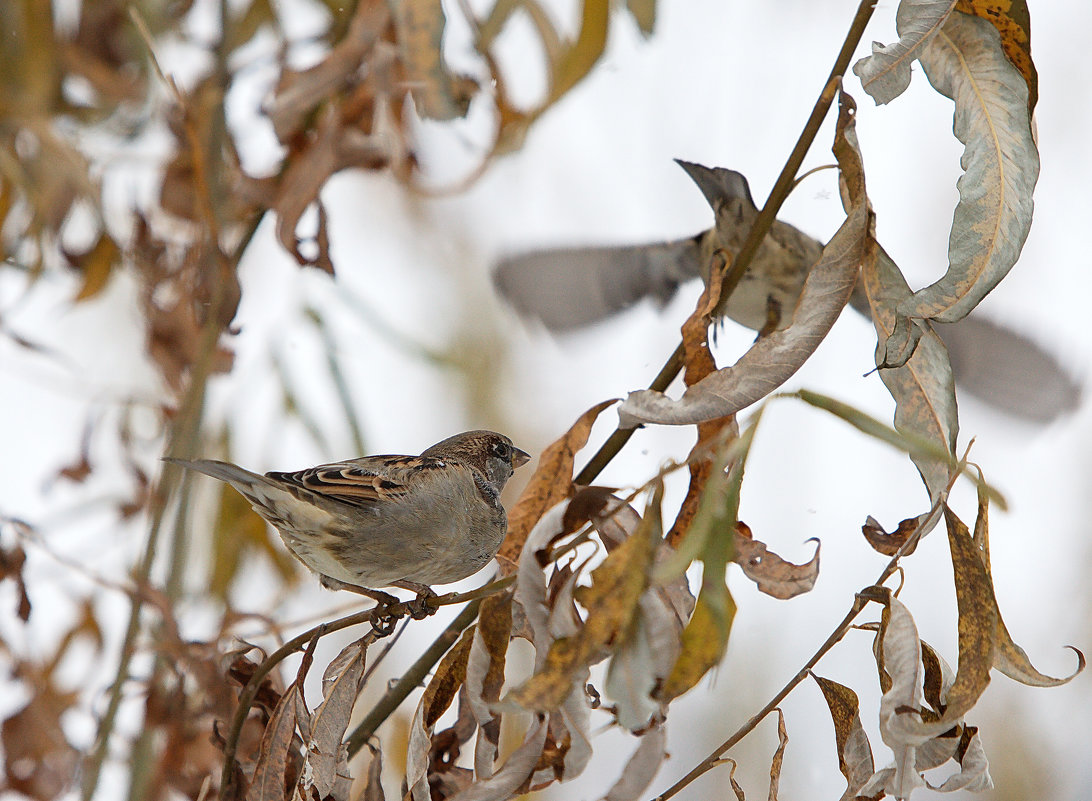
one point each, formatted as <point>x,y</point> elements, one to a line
<point>785,183</point>
<point>859,602</point>
<point>412,678</point>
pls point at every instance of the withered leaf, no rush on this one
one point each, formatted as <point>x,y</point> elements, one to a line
<point>644,13</point>
<point>704,641</point>
<point>577,59</point>
<point>698,363</point>
<point>1010,658</point>
<point>642,767</point>
<point>304,177</point>
<point>299,93</point>
<point>779,755</point>
<point>889,543</point>
<point>340,687</point>
<point>513,775</point>
<point>850,740</point>
<point>772,574</point>
<point>1013,22</point>
<point>886,73</point>
<point>550,484</point>
<point>437,697</point>
<point>611,603</point>
<point>436,92</point>
<point>977,620</point>
<point>485,677</point>
<point>95,266</point>
<point>373,787</point>
<point>39,762</point>
<point>268,782</point>
<point>11,567</point>
<point>645,658</point>
<point>898,659</point>
<point>974,768</point>
<point>965,62</point>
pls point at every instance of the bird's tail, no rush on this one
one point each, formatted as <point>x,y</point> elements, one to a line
<point>232,474</point>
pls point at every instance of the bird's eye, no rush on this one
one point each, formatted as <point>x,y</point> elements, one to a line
<point>501,450</point>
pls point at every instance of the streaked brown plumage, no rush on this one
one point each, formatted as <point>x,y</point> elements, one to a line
<point>380,521</point>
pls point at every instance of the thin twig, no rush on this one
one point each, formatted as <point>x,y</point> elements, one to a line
<point>250,691</point>
<point>411,679</point>
<point>784,184</point>
<point>859,603</point>
<point>187,422</point>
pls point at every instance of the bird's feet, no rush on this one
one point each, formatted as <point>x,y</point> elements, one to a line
<point>421,606</point>
<point>383,600</point>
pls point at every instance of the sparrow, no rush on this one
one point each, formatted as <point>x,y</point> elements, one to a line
<point>569,288</point>
<point>388,521</point>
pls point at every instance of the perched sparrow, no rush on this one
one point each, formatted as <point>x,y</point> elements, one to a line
<point>572,287</point>
<point>381,521</point>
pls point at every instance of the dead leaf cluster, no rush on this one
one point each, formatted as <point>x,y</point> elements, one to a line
<point>599,589</point>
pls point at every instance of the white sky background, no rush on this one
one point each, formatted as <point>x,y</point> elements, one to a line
<point>724,84</point>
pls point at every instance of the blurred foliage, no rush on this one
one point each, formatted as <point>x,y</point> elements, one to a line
<point>590,581</point>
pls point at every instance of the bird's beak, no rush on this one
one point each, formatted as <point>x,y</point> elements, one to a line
<point>519,457</point>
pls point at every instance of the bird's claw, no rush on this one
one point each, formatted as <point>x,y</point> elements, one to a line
<point>383,623</point>
<point>421,606</point>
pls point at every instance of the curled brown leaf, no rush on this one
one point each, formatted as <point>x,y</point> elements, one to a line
<point>550,484</point>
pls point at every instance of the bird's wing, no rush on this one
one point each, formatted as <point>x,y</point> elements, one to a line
<point>361,482</point>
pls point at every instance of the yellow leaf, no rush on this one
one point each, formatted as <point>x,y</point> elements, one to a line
<point>704,641</point>
<point>1013,22</point>
<point>578,59</point>
<point>96,266</point>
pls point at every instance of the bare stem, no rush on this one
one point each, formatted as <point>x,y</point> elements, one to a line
<point>411,679</point>
<point>250,691</point>
<point>785,182</point>
<point>859,602</point>
<point>187,423</point>
<point>714,758</point>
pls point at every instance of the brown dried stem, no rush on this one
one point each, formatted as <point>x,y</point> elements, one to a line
<point>393,697</point>
<point>784,184</point>
<point>187,421</point>
<point>860,600</point>
<point>616,441</point>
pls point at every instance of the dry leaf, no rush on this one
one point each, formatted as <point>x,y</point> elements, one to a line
<point>965,62</point>
<point>889,544</point>
<point>1013,22</point>
<point>886,73</point>
<point>1010,658</point>
<point>642,767</point>
<point>772,574</point>
<point>325,753</point>
<point>577,59</point>
<point>779,755</point>
<point>298,94</point>
<point>437,94</point>
<point>704,641</point>
<point>269,780</point>
<point>39,762</point>
<point>439,693</point>
<point>550,484</point>
<point>850,740</point>
<point>11,567</point>
<point>611,603</point>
